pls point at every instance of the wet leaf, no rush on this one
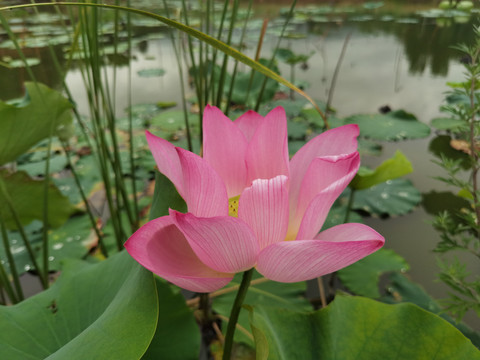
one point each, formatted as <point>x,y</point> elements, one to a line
<point>393,197</point>
<point>396,125</point>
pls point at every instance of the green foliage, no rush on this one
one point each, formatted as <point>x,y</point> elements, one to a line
<point>362,277</point>
<point>165,197</point>
<point>401,289</point>
<point>459,228</point>
<point>357,328</point>
<point>107,310</point>
<point>177,336</point>
<point>390,169</point>
<point>39,115</point>
<point>267,293</point>
<point>393,197</point>
<point>396,125</point>
<point>25,196</point>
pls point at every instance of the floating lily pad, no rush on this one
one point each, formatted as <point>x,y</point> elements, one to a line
<point>449,124</point>
<point>151,72</point>
<point>393,197</point>
<point>18,63</point>
<point>362,277</point>
<point>170,121</point>
<point>396,125</point>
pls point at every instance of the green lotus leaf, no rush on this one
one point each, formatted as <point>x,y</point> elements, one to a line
<point>103,311</point>
<point>38,115</point>
<point>363,276</point>
<point>393,197</point>
<point>396,125</point>
<point>357,328</point>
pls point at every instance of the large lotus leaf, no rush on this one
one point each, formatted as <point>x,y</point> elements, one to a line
<point>401,289</point>
<point>357,328</point>
<point>363,276</point>
<point>41,113</point>
<point>390,169</point>
<point>396,125</point>
<point>177,336</point>
<point>102,311</point>
<point>393,197</point>
<point>268,293</point>
<point>26,196</point>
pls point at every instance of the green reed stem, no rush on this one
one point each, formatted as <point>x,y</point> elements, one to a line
<point>85,201</point>
<point>182,85</point>
<point>235,68</point>
<point>235,312</point>
<point>223,72</point>
<point>272,59</point>
<point>13,269</point>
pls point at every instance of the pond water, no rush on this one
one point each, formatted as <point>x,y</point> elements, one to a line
<point>402,61</point>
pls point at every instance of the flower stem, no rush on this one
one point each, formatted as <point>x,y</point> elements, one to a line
<point>237,304</point>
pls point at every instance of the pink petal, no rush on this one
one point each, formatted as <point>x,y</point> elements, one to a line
<point>204,191</point>
<point>248,123</point>
<point>334,142</point>
<point>324,181</point>
<point>224,148</point>
<point>264,207</point>
<point>223,243</point>
<point>160,247</point>
<point>333,249</point>
<point>167,160</point>
<point>267,153</point>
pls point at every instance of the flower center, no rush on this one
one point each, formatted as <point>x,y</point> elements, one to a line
<point>233,206</point>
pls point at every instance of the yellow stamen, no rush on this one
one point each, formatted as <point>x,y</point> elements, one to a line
<point>233,206</point>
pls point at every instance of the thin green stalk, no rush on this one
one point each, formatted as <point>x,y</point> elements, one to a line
<point>223,72</point>
<point>274,54</point>
<point>182,85</point>
<point>232,322</point>
<point>211,84</point>
<point>257,56</point>
<point>130,122</point>
<point>335,74</point>
<point>13,269</point>
<point>234,74</point>
<point>4,194</point>
<point>45,209</point>
<point>85,200</point>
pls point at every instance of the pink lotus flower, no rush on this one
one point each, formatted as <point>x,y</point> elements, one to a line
<point>249,206</point>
